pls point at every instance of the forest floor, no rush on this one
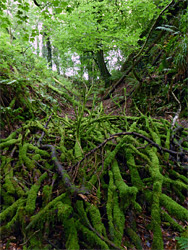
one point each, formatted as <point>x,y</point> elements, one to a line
<point>115,105</point>
<point>124,107</point>
<point>112,107</point>
<point>109,107</point>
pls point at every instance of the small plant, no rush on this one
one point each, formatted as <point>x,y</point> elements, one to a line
<point>182,243</point>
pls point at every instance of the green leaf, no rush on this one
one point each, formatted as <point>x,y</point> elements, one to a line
<point>58,10</point>
<point>26,37</point>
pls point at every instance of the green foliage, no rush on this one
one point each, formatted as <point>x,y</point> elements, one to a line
<point>113,175</point>
<point>182,242</point>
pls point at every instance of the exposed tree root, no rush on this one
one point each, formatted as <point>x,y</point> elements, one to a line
<point>53,197</point>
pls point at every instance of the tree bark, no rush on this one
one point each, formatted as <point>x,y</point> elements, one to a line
<point>47,49</point>
<point>105,74</point>
<point>56,59</point>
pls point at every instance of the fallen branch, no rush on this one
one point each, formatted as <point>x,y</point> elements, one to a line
<point>152,143</point>
<point>109,242</point>
<point>66,178</point>
<point>60,168</point>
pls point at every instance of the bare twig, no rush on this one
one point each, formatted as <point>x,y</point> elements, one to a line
<point>66,178</point>
<point>152,143</point>
<point>29,238</point>
<point>178,111</point>
<point>109,242</point>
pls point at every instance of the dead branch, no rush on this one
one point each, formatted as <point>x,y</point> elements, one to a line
<point>65,177</point>
<point>152,143</point>
<point>178,111</point>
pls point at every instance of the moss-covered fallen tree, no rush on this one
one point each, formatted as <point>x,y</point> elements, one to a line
<point>83,183</point>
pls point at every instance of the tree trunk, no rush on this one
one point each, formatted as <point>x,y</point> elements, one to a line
<point>44,50</point>
<point>49,52</point>
<point>47,49</point>
<point>56,59</point>
<point>105,74</point>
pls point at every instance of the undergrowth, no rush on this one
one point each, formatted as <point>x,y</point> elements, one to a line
<point>71,184</point>
<point>82,182</point>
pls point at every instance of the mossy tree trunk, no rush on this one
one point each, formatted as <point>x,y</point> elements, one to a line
<point>104,72</point>
<point>47,48</point>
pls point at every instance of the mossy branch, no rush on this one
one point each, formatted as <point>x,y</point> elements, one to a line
<point>66,178</point>
<point>152,143</point>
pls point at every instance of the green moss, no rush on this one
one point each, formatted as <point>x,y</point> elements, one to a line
<point>167,145</point>
<point>7,199</point>
<point>10,211</point>
<point>174,208</point>
<point>135,177</point>
<point>32,195</point>
<point>78,150</point>
<point>155,136</point>
<point>33,125</point>
<point>65,95</point>
<point>3,162</point>
<point>10,226</point>
<point>36,157</point>
<point>30,164</point>
<point>93,240</point>
<point>176,183</point>
<point>11,136</point>
<point>64,212</point>
<point>154,168</point>
<point>92,236</point>
<point>46,194</point>
<point>142,155</point>
<point>173,223</point>
<point>18,189</point>
<point>156,217</point>
<point>95,218</point>
<point>71,235</point>
<point>41,152</point>
<point>40,216</point>
<point>185,144</point>
<point>133,126</point>
<point>35,242</point>
<point>179,194</point>
<point>111,155</point>
<point>98,194</point>
<point>8,170</point>
<point>154,126</point>
<point>62,146</point>
<point>9,143</point>
<point>178,176</point>
<point>127,194</point>
<point>134,238</point>
<point>118,221</point>
<point>110,204</point>
<point>94,179</point>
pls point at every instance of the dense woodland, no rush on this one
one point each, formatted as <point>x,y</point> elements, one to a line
<point>94,129</point>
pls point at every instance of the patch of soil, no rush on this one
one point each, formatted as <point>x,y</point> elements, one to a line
<point>118,104</point>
